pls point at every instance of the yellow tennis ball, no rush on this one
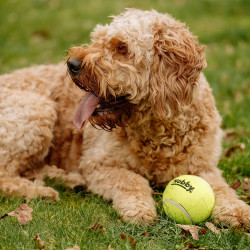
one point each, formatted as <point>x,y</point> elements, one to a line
<point>188,199</point>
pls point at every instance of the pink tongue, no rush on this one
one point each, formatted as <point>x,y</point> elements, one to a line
<point>85,110</point>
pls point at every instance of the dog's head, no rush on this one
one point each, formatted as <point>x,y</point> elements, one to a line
<point>142,62</point>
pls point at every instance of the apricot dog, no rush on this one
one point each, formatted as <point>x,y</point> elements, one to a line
<point>143,84</point>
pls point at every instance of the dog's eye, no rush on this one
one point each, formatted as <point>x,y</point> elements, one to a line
<point>122,49</point>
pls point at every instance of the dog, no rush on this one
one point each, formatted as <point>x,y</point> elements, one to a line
<point>143,113</point>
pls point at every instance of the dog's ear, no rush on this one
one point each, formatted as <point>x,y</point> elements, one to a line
<point>177,64</point>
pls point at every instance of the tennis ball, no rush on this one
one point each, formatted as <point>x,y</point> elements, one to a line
<point>188,199</point>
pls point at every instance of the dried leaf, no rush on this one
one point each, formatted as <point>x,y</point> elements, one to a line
<point>190,245</point>
<point>128,237</point>
<point>73,248</point>
<point>3,216</point>
<point>40,244</point>
<point>236,185</point>
<point>40,34</point>
<point>123,236</point>
<point>229,134</point>
<point>110,248</point>
<point>195,234</point>
<point>145,233</point>
<point>246,185</point>
<point>213,228</point>
<point>192,229</point>
<point>23,214</point>
<point>231,150</point>
<point>203,230</point>
<point>97,227</point>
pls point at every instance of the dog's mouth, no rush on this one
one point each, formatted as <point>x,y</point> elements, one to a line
<point>106,111</point>
<point>105,107</point>
<point>97,108</point>
<point>85,109</point>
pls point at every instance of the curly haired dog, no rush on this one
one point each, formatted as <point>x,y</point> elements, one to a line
<point>144,87</point>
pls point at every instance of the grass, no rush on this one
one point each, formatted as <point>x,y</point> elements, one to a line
<point>40,31</point>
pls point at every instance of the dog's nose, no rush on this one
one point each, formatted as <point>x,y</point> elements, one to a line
<point>74,65</point>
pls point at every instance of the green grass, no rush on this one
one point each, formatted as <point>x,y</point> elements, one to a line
<point>38,32</point>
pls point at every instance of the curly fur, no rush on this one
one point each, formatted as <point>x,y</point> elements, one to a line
<point>146,69</point>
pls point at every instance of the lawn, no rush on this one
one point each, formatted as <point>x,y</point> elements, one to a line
<point>41,31</point>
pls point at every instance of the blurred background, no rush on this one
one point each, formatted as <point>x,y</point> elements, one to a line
<point>41,31</point>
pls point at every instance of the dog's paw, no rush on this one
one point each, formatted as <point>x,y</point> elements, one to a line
<point>139,216</point>
<point>50,193</point>
<point>137,211</point>
<point>234,215</point>
<point>43,192</point>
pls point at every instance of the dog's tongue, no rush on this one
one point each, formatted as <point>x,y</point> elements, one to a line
<point>85,109</point>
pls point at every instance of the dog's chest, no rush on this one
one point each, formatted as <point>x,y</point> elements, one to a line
<point>160,152</point>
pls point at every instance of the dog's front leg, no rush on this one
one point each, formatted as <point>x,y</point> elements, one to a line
<point>17,186</point>
<point>228,208</point>
<point>130,192</point>
<point>71,179</point>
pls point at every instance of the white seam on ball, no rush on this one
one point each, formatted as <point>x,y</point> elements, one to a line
<point>180,207</point>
